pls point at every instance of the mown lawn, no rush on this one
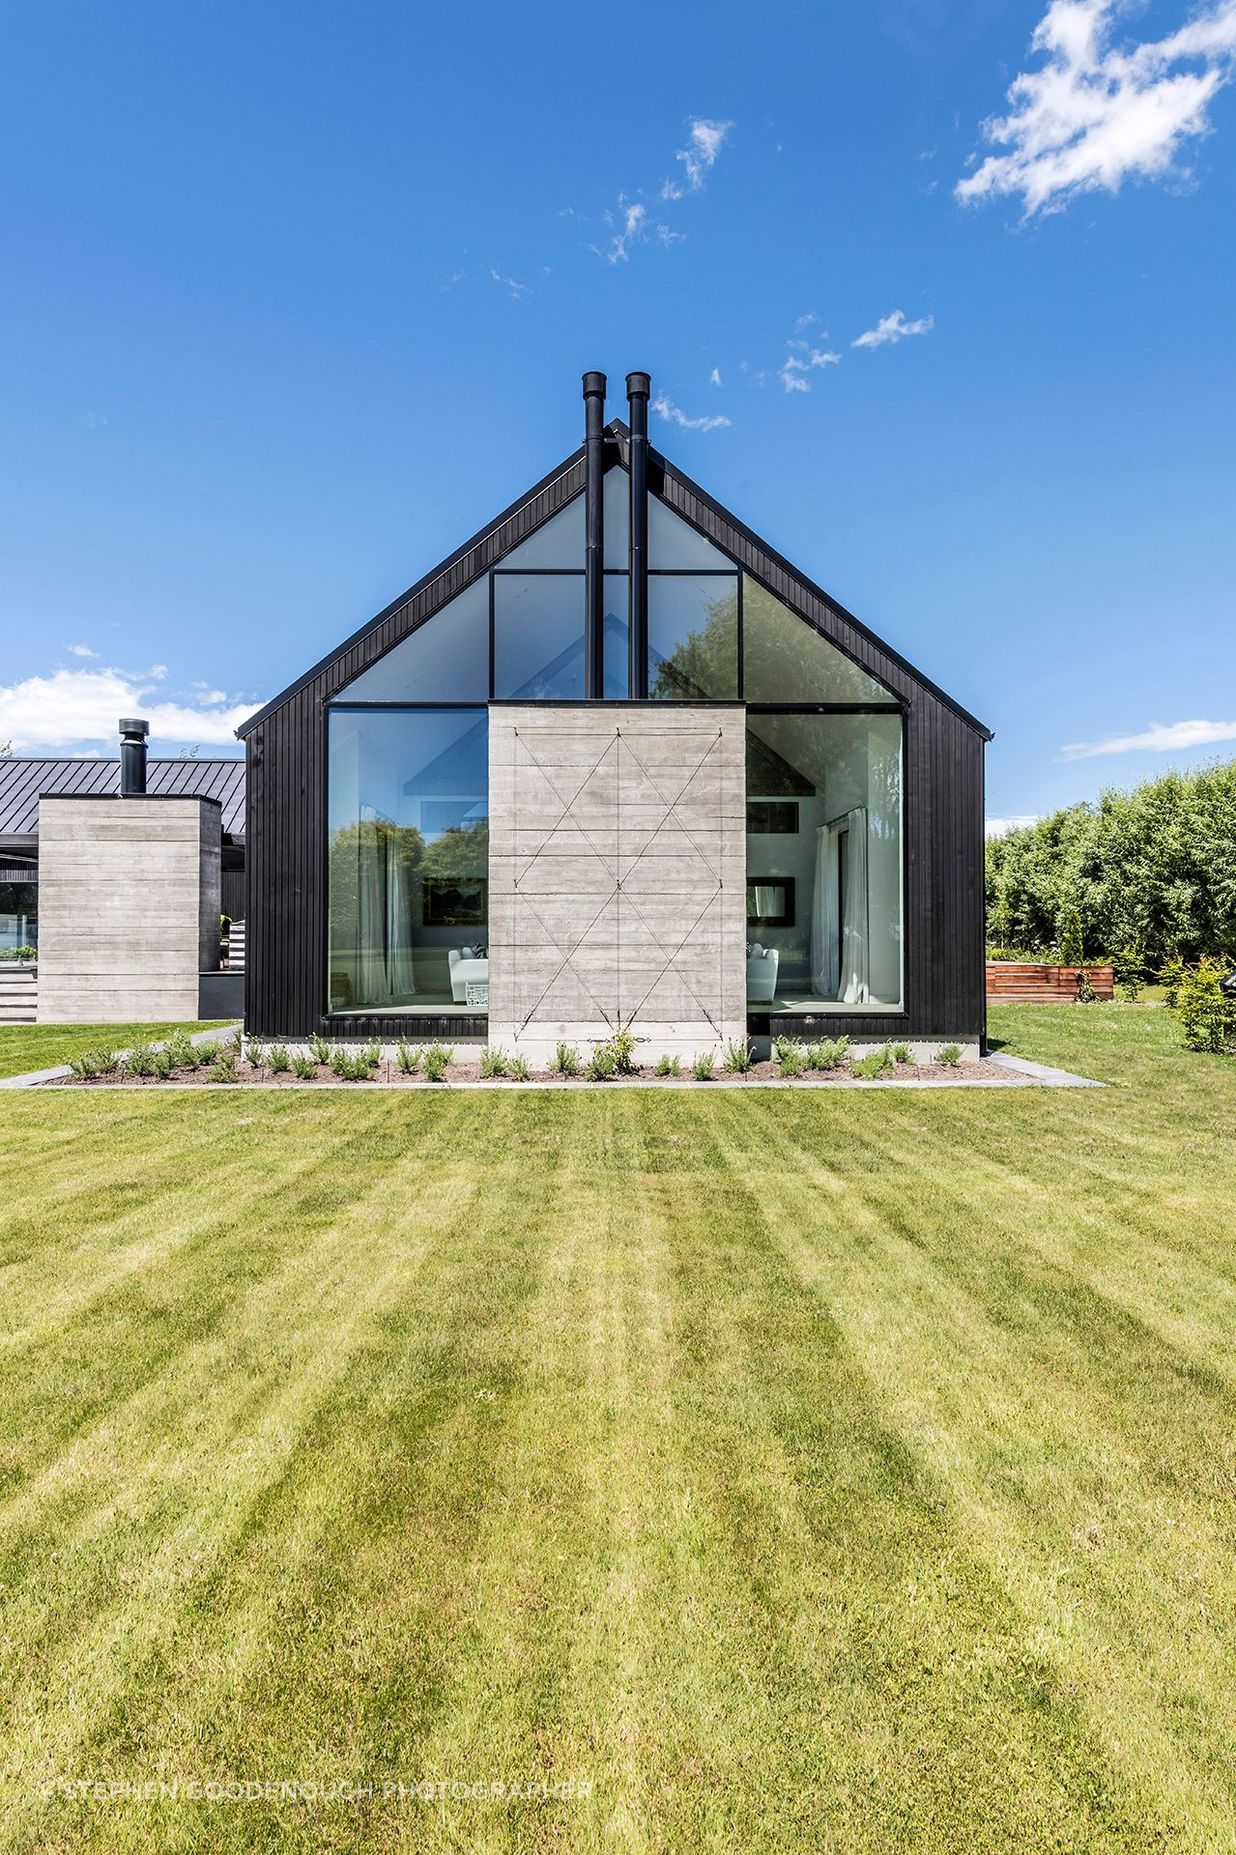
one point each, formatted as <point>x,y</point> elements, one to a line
<point>25,1047</point>
<point>785,1472</point>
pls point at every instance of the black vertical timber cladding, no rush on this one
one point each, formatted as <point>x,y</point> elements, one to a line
<point>285,975</point>
<point>285,848</point>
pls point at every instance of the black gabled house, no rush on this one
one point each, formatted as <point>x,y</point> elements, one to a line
<point>489,791</point>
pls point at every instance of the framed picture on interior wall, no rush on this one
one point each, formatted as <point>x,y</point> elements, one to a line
<point>455,901</point>
<point>770,901</point>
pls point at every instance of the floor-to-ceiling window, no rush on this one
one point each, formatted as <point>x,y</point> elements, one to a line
<point>408,855</point>
<point>824,861</point>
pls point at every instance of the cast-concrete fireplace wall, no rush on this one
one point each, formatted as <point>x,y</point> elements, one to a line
<point>617,892</point>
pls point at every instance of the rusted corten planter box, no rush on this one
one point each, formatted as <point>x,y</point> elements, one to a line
<point>1033,982</point>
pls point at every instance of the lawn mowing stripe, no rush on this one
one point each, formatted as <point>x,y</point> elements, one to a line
<point>175,1505</point>
<point>1049,1487</point>
<point>300,1533</point>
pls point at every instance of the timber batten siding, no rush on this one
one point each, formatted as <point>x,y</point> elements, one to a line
<point>942,794</point>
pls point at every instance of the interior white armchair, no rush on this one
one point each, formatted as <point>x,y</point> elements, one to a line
<point>762,963</point>
<point>466,963</point>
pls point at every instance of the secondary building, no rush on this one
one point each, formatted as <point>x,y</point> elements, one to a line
<point>615,763</point>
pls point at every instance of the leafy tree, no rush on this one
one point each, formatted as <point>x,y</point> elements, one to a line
<point>1152,869</point>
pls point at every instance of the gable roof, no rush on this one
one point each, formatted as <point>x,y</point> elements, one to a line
<point>689,501</point>
<point>23,778</point>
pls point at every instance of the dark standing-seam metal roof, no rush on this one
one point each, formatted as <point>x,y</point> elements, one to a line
<point>23,779</point>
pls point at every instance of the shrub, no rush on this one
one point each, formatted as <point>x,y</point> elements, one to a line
<point>436,1061</point>
<point>277,1059</point>
<point>409,1057</point>
<point>304,1068</point>
<point>19,953</point>
<point>668,1066</point>
<point>181,1052</point>
<point>494,1062</point>
<point>162,1064</point>
<point>828,1053</point>
<point>791,1057</point>
<point>783,1043</point>
<point>223,1068</point>
<point>602,1064</point>
<point>950,1055</point>
<point>736,1058</point>
<point>565,1061</point>
<point>703,1066</point>
<point>320,1050</point>
<point>372,1053</point>
<point>236,1042</point>
<point>876,1063</point>
<point>518,1069</point>
<point>91,1063</point>
<point>1207,1013</point>
<point>901,1052</point>
<point>141,1060</point>
<point>1171,977</point>
<point>256,1053</point>
<point>353,1065</point>
<point>1129,972</point>
<point>1070,932</point>
<point>622,1043</point>
<point>1086,993</point>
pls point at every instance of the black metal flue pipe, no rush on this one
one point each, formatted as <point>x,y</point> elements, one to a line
<point>594,534</point>
<point>639,386</point>
<point>133,758</point>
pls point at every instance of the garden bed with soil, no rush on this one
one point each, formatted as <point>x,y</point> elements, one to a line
<point>416,1066</point>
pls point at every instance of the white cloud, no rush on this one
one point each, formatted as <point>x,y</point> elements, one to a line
<point>704,143</point>
<point>714,378</point>
<point>80,650</point>
<point>665,408</point>
<point>1000,827</point>
<point>800,360</point>
<point>634,227</point>
<point>1094,115</point>
<point>892,328</point>
<point>518,290</point>
<point>1159,737</point>
<point>72,708</point>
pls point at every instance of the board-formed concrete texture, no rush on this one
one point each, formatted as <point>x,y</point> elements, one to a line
<point>617,877</point>
<point>128,907</point>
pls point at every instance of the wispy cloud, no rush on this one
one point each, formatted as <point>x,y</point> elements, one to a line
<point>1000,827</point>
<point>518,290</point>
<point>802,357</point>
<point>80,650</point>
<point>75,708</point>
<point>634,227</point>
<point>665,408</point>
<point>635,223</point>
<point>1159,737</point>
<point>704,143</point>
<point>892,328</point>
<point>714,378</point>
<point>1094,114</point>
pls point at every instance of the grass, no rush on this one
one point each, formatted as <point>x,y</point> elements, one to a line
<point>822,1473</point>
<point>44,1046</point>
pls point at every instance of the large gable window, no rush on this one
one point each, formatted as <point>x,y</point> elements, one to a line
<point>444,660</point>
<point>714,633</point>
<point>786,660</point>
<point>539,636</point>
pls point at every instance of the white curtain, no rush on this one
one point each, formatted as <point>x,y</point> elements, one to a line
<point>824,952</point>
<point>839,949</point>
<point>400,980</point>
<point>854,978</point>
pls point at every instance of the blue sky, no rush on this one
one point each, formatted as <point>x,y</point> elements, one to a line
<point>295,298</point>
